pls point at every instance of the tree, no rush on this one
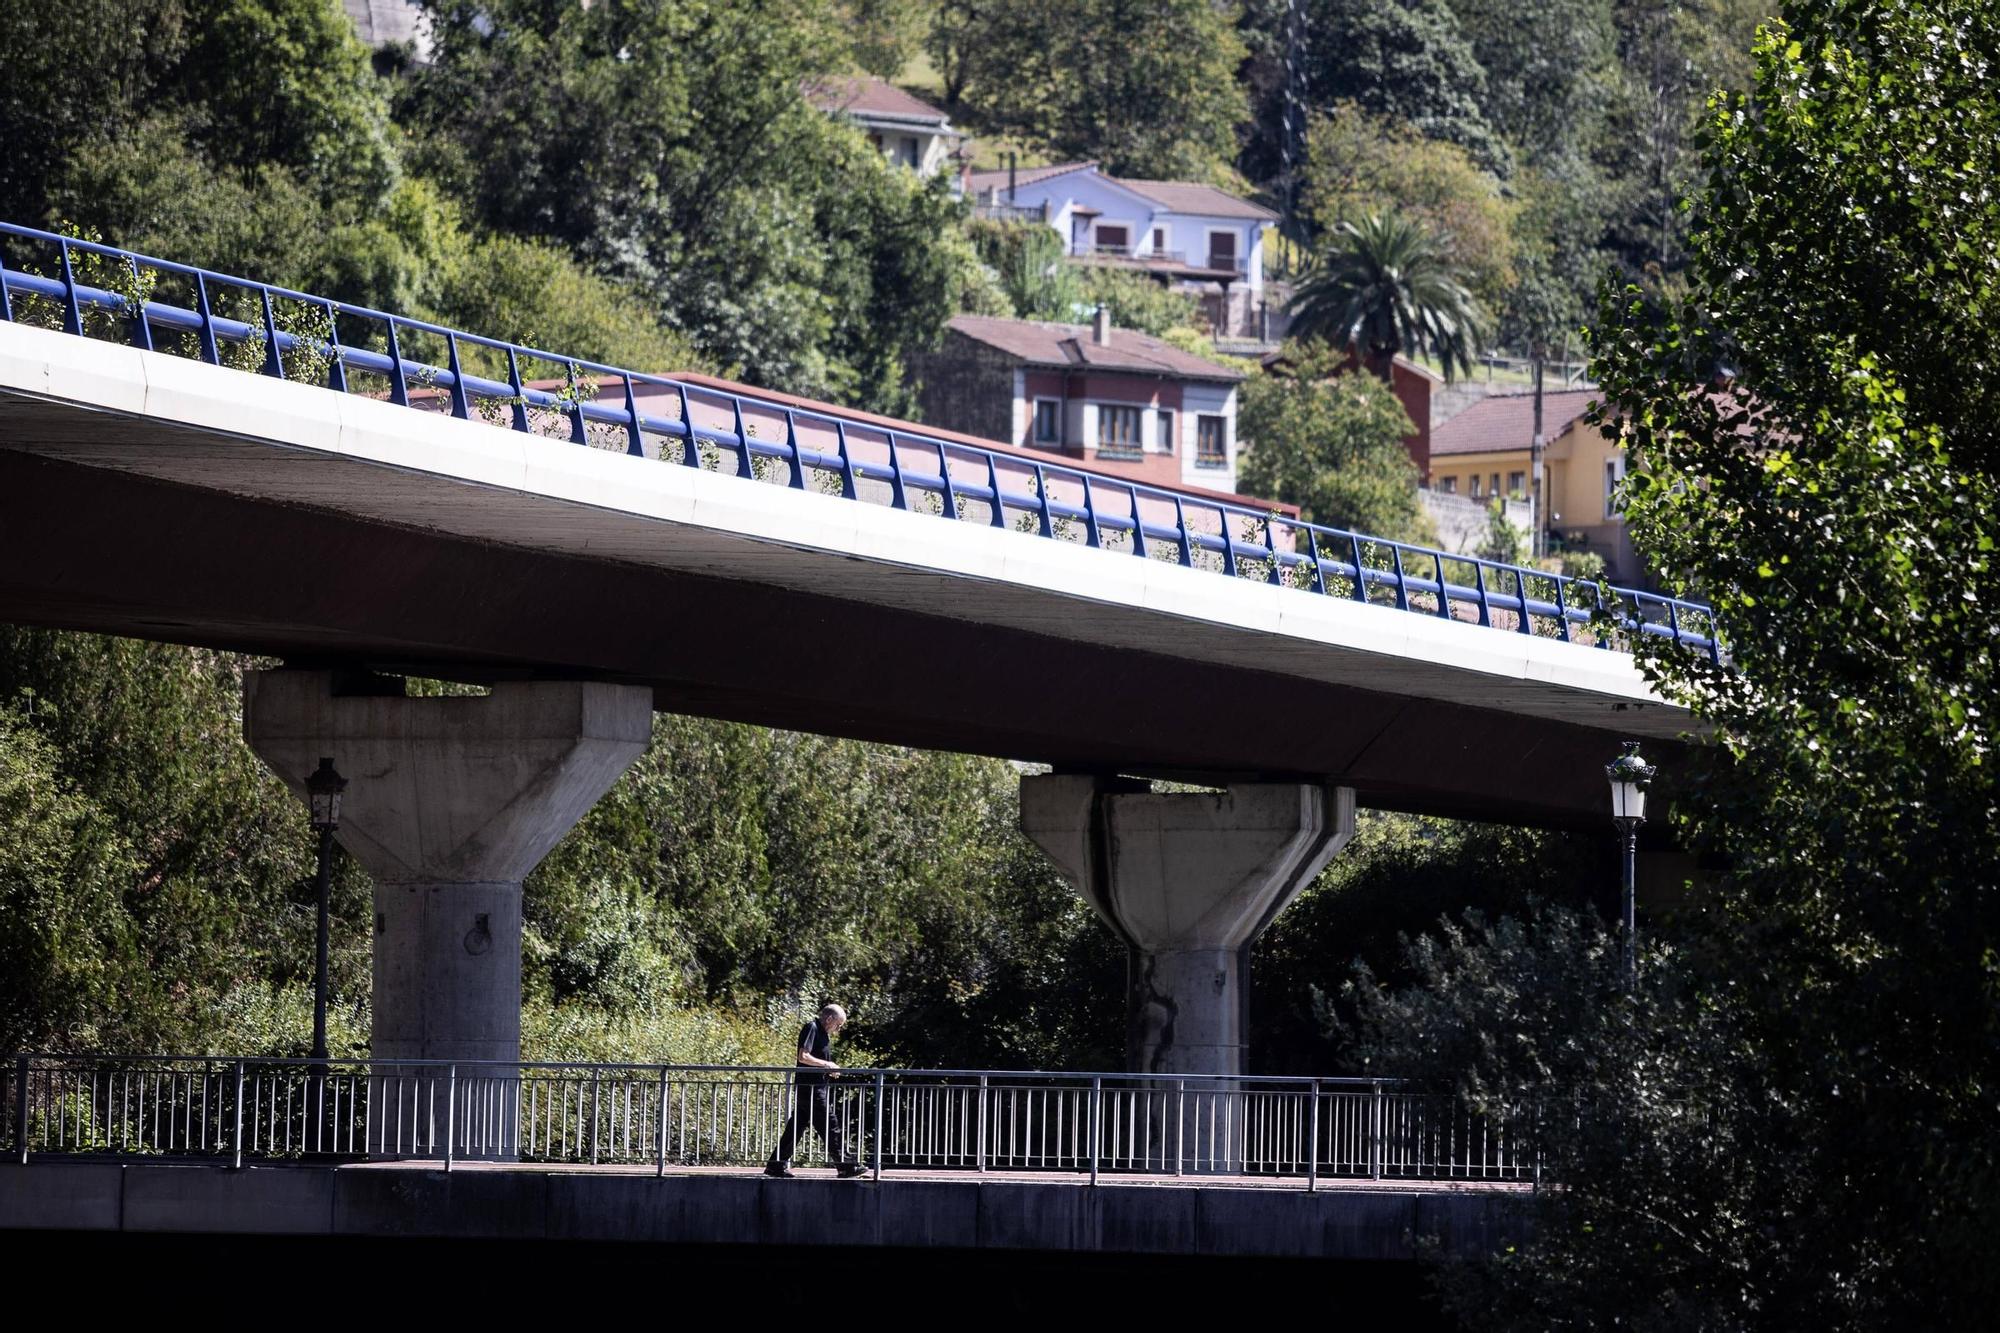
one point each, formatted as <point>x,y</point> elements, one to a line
<point>671,146</point>
<point>1331,441</point>
<point>1147,90</point>
<point>1136,301</point>
<point>1406,60</point>
<point>1359,163</point>
<point>1385,285</point>
<point>1816,423</point>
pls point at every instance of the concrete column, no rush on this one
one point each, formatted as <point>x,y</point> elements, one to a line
<point>1188,880</point>
<point>450,803</point>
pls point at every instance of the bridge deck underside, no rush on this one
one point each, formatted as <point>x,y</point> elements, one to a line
<point>97,545</point>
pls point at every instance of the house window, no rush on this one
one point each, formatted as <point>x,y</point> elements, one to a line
<point>1447,485</point>
<point>911,153</point>
<point>1475,485</point>
<point>1159,240</point>
<point>1118,430</point>
<point>1614,472</point>
<point>1168,443</point>
<point>1048,421</point>
<point>1494,489</point>
<point>1211,441</point>
<point>1114,240</point>
<point>1517,483</point>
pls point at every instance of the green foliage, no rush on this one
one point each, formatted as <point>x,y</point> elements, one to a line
<point>1359,164</point>
<point>1503,541</point>
<point>1789,1123</point>
<point>673,148</point>
<point>1138,302</point>
<point>1399,877</point>
<point>885,34</point>
<point>1330,440</point>
<point>1148,90</point>
<point>1384,285</point>
<point>1036,278</point>
<point>1408,61</point>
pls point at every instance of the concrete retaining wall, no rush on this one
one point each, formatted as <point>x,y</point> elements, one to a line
<point>525,1204</point>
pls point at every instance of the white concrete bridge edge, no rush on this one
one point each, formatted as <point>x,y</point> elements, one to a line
<point>180,392</point>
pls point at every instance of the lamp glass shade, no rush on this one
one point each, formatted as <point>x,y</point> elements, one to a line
<point>323,790</point>
<point>1628,800</point>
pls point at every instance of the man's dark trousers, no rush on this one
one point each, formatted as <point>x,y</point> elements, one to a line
<point>813,1105</point>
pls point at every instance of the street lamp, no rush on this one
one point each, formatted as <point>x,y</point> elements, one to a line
<point>323,787</point>
<point>1629,775</point>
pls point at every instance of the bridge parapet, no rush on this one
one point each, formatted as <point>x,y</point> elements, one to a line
<point>97,290</point>
<point>1296,1132</point>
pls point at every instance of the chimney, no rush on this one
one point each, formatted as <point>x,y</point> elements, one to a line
<point>1102,334</point>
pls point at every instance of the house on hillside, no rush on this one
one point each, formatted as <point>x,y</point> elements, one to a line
<point>1186,235</point>
<point>1138,406</point>
<point>1488,450</point>
<point>907,129</point>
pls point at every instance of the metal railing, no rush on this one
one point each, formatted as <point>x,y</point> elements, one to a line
<point>250,1109</point>
<point>103,291</point>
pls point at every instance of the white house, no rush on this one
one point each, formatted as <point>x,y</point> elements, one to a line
<point>907,129</point>
<point>1191,236</point>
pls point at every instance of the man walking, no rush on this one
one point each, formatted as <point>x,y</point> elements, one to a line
<point>813,1100</point>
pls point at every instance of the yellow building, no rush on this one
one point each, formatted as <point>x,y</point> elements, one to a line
<point>1486,450</point>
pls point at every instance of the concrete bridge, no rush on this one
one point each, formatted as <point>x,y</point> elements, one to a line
<point>717,551</point>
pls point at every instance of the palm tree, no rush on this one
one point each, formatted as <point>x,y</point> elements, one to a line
<point>1385,285</point>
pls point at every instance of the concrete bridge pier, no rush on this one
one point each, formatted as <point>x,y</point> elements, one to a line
<point>1189,881</point>
<point>450,803</point>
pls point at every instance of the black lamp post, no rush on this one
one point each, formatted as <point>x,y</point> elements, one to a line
<point>324,786</point>
<point>1629,776</point>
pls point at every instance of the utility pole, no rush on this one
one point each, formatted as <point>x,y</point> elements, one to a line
<point>1537,541</point>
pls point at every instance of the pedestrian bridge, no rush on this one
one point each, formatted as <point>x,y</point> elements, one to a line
<point>1078,1163</point>
<point>196,458</point>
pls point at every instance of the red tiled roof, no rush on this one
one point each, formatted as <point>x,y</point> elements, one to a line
<point>870,96</point>
<point>1190,197</point>
<point>980,181</point>
<point>1503,421</point>
<point>1067,346</point>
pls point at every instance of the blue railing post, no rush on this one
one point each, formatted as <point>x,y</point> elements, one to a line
<point>72,307</point>
<point>898,497</point>
<point>519,392</point>
<point>690,449</point>
<point>950,493</point>
<point>1180,523</point>
<point>209,352</point>
<point>634,438</point>
<point>847,491</point>
<point>399,385</point>
<point>579,433</point>
<point>745,467</point>
<point>1444,597</point>
<point>461,406</point>
<point>1271,543</point>
<point>274,361</point>
<point>336,369</point>
<point>1360,570</point>
<point>798,473</point>
<point>1138,524</point>
<point>6,294</point>
<point>1090,533</point>
<point>142,331</point>
<point>1048,527</point>
<point>993,484</point>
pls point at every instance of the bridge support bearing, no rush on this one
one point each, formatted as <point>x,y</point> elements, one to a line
<point>1189,881</point>
<point>450,803</point>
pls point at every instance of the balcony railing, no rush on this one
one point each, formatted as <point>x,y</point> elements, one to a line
<point>238,1110</point>
<point>92,290</point>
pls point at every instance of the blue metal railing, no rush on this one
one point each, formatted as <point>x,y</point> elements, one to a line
<point>285,333</point>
